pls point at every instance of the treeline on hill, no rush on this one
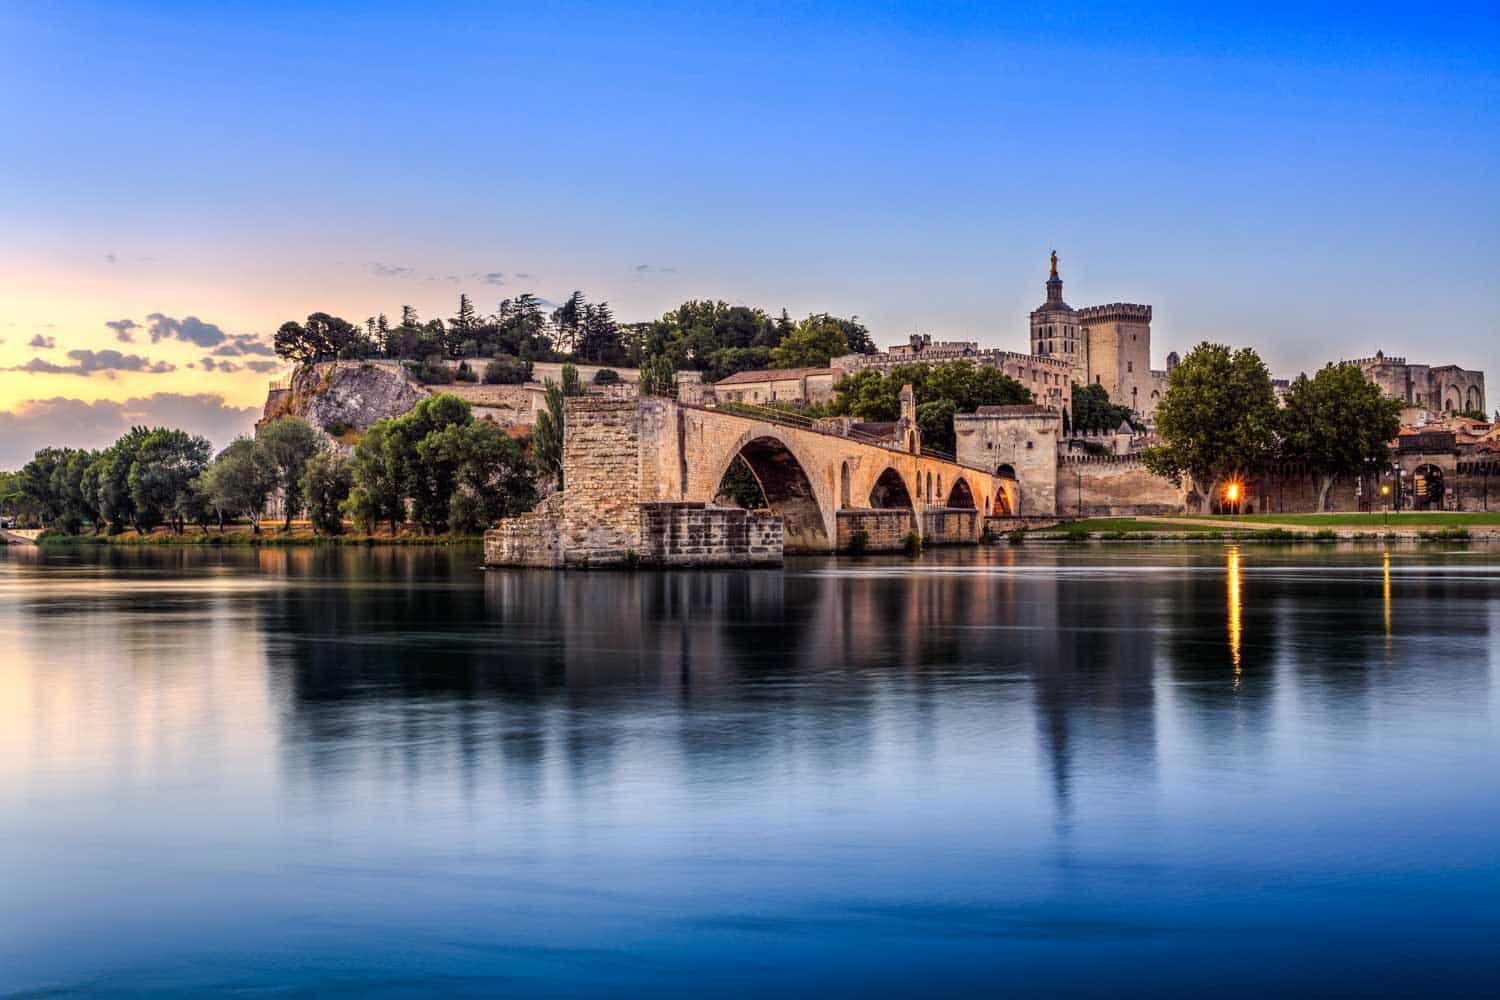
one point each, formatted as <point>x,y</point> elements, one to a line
<point>714,338</point>
<point>436,465</point>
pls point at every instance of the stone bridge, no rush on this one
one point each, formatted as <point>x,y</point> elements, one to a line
<point>642,477</point>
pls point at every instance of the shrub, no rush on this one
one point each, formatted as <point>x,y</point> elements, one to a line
<point>432,371</point>
<point>1325,535</point>
<point>507,370</point>
<point>859,542</point>
<point>465,373</point>
<point>1445,535</point>
<point>913,544</point>
<point>606,376</point>
<point>1016,536</point>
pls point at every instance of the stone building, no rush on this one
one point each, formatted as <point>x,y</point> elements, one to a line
<point>778,385</point>
<point>1441,388</point>
<point>1019,445</point>
<point>1048,378</point>
<point>1108,345</point>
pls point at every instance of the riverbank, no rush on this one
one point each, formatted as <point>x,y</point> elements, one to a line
<point>300,534</point>
<point>1414,527</point>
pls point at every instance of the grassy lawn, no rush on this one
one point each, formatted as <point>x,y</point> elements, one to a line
<point>1131,525</point>
<point>1406,519</point>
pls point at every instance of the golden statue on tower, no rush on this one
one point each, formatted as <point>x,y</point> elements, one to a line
<point>1054,263</point>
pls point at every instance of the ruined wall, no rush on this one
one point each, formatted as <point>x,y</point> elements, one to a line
<point>601,520</point>
<point>885,530</point>
<point>694,534</point>
<point>532,539</point>
<point>1112,486</point>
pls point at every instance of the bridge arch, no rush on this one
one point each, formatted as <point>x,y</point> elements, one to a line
<point>961,495</point>
<point>1007,491</point>
<point>787,483</point>
<point>890,492</point>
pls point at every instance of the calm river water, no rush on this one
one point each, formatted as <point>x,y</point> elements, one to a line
<point>1042,770</point>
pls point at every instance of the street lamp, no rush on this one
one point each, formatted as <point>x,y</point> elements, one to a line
<point>1232,497</point>
<point>1385,506</point>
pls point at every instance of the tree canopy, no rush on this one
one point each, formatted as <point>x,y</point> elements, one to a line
<point>1218,417</point>
<point>941,391</point>
<point>1338,423</point>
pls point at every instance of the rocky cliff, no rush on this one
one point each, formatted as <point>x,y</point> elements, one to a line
<point>343,398</point>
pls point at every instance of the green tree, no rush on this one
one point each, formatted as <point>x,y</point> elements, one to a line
<point>1217,419</point>
<point>1338,423</point>
<point>815,342</point>
<point>377,492</point>
<point>115,503</point>
<point>461,328</point>
<point>326,482</point>
<point>547,435</point>
<point>941,391</point>
<point>166,463</point>
<point>566,322</point>
<point>599,340</point>
<point>1093,411</point>
<point>486,472</point>
<point>507,369</point>
<point>285,446</point>
<point>657,377</point>
<point>239,482</point>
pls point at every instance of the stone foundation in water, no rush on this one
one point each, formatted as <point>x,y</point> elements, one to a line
<point>671,533</point>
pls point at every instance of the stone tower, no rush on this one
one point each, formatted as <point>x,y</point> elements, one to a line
<point>1118,343</point>
<point>1055,330</point>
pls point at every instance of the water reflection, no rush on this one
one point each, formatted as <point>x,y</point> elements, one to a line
<point>1085,749</point>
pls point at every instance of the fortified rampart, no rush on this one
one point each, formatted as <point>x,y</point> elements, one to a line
<point>1112,486</point>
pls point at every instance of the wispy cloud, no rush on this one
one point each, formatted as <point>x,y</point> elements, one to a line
<point>86,363</point>
<point>654,269</point>
<point>380,270</point>
<point>41,343</point>
<point>491,278</point>
<point>212,365</point>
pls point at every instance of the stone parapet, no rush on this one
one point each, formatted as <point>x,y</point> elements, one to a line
<point>695,534</point>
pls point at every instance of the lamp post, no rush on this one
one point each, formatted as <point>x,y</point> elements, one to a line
<point>1385,495</point>
<point>1232,497</point>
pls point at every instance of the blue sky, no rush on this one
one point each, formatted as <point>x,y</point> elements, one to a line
<point>1314,181</point>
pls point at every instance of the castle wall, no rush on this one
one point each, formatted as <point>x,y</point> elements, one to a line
<point>1025,443</point>
<point>1113,486</point>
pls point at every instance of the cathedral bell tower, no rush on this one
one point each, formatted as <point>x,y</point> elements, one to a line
<point>1055,332</point>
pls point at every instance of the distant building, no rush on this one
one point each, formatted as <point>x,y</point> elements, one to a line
<point>1441,389</point>
<point>778,385</point>
<point>1047,378</point>
<point>1107,345</point>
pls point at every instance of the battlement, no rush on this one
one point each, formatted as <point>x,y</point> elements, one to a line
<point>1129,312</point>
<point>1379,359</point>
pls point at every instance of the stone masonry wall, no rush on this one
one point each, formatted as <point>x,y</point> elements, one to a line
<point>1113,487</point>
<point>601,521</point>
<point>951,527</point>
<point>885,530</point>
<point>531,539</point>
<point>694,534</point>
